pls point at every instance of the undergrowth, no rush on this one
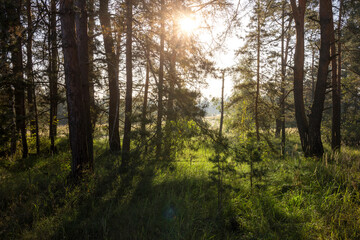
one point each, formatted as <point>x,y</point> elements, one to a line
<point>298,198</point>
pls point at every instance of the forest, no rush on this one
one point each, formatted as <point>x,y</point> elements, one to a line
<point>108,131</point>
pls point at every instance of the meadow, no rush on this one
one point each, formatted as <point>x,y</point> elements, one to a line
<point>296,197</point>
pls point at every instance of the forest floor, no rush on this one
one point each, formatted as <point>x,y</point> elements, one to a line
<point>297,198</point>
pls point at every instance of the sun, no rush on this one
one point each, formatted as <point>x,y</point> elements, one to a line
<point>188,24</point>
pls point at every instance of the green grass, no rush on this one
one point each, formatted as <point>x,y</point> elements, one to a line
<point>297,199</point>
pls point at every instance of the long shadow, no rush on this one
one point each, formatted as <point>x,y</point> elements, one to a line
<point>138,205</point>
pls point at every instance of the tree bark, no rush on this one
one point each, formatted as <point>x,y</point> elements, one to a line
<point>301,119</point>
<point>92,75</point>
<point>146,91</point>
<point>257,73</point>
<point>170,104</point>
<point>34,129</point>
<point>74,91</point>
<point>113,72</point>
<point>129,83</point>
<point>14,12</point>
<point>83,54</point>
<point>336,88</point>
<point>315,144</point>
<point>222,103</point>
<point>161,83</point>
<point>283,73</point>
<point>53,76</point>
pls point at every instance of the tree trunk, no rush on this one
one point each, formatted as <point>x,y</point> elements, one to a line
<point>278,124</point>
<point>315,144</point>
<point>113,72</point>
<point>53,77</point>
<point>301,120</point>
<point>257,73</point>
<point>13,143</point>
<point>222,103</point>
<point>160,84</point>
<point>30,80</point>
<point>170,104</point>
<point>19,83</point>
<point>129,82</point>
<point>283,79</point>
<point>74,90</point>
<point>336,89</point>
<point>83,54</point>
<point>146,91</point>
<point>92,48</point>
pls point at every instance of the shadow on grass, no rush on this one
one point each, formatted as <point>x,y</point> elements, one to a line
<point>153,201</point>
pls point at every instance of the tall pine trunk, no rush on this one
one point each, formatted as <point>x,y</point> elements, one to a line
<point>14,12</point>
<point>74,91</point>
<point>92,75</point>
<point>301,119</point>
<point>34,126</point>
<point>53,76</point>
<point>146,91</point>
<point>160,83</point>
<point>315,147</point>
<point>257,94</point>
<point>170,105</point>
<point>222,103</point>
<point>336,89</point>
<point>129,83</point>
<point>83,54</point>
<point>113,72</point>
<point>284,56</point>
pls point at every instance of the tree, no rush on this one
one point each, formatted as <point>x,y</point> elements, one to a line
<point>14,13</point>
<point>74,91</point>
<point>83,54</point>
<point>31,96</point>
<point>113,74</point>
<point>310,130</point>
<point>92,74</point>
<point>302,124</point>
<point>161,81</point>
<point>129,84</point>
<point>53,76</point>
<point>336,86</point>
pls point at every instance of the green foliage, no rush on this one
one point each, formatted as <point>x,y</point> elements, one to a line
<point>303,198</point>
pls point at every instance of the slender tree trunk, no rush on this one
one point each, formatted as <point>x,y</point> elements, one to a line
<point>315,144</point>
<point>222,103</point>
<point>83,54</point>
<point>13,120</point>
<point>53,76</point>
<point>170,105</point>
<point>129,83</point>
<point>74,90</point>
<point>278,124</point>
<point>6,71</point>
<point>336,87</point>
<point>113,72</point>
<point>30,80</point>
<point>92,48</point>
<point>172,79</point>
<point>283,79</point>
<point>161,83</point>
<point>257,73</point>
<point>19,83</point>
<point>146,92</point>
<point>301,119</point>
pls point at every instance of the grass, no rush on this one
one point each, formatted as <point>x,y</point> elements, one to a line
<point>298,198</point>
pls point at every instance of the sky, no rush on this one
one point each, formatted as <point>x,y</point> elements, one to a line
<point>225,58</point>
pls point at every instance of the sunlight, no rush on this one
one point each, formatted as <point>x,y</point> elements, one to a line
<point>188,24</point>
